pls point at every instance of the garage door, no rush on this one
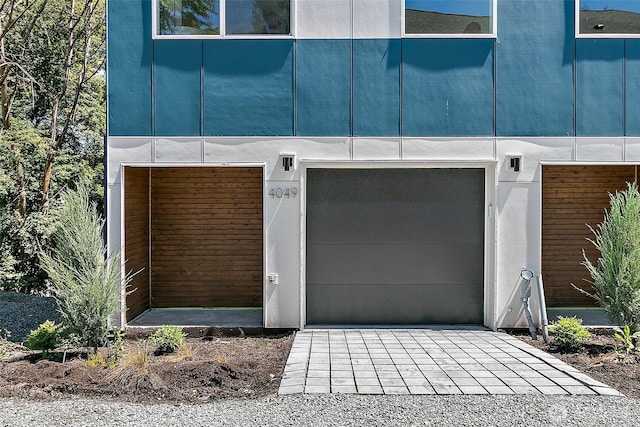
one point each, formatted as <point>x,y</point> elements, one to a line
<point>573,196</point>
<point>395,246</point>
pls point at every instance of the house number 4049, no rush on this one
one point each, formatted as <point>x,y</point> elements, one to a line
<point>283,193</point>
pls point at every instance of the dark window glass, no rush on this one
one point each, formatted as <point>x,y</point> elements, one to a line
<point>189,17</point>
<point>609,16</point>
<point>258,16</point>
<point>448,16</point>
<point>202,17</point>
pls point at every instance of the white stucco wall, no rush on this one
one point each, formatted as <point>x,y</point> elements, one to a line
<point>513,232</point>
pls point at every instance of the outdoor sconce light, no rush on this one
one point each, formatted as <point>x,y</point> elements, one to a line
<point>288,161</point>
<point>272,278</point>
<point>514,163</point>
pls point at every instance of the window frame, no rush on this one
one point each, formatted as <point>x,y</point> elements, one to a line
<point>580,35</point>
<point>492,35</point>
<point>222,35</point>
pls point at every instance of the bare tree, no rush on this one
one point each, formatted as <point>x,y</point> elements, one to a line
<point>17,21</point>
<point>84,58</point>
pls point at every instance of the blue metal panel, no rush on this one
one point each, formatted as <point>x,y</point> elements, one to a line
<point>376,87</point>
<point>599,87</point>
<point>177,87</point>
<point>534,95</point>
<point>447,87</point>
<point>129,68</point>
<point>633,87</point>
<point>248,87</point>
<point>323,87</point>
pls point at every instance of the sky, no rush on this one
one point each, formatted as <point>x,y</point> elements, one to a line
<point>459,7</point>
<point>483,7</point>
<point>628,5</point>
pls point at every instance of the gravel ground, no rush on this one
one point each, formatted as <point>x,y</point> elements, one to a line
<point>332,410</point>
<point>21,313</point>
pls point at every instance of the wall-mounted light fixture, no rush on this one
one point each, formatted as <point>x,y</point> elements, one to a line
<point>288,162</point>
<point>514,163</point>
<point>272,278</point>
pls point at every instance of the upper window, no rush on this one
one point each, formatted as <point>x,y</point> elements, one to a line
<point>449,18</point>
<point>608,18</point>
<point>198,18</point>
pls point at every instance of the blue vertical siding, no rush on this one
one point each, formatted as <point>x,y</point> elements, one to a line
<point>447,87</point>
<point>534,95</point>
<point>248,87</point>
<point>177,77</point>
<point>376,87</point>
<point>599,87</point>
<point>633,87</point>
<point>323,87</point>
<point>129,68</point>
<point>547,83</point>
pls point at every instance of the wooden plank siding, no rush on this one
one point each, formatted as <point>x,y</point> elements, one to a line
<point>573,196</point>
<point>136,238</point>
<point>207,237</point>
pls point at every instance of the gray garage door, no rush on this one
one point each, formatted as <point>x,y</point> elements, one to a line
<point>395,246</point>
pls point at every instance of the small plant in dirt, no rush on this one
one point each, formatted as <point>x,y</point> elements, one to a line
<point>85,279</point>
<point>569,334</point>
<point>45,337</point>
<point>116,344</point>
<point>168,339</point>
<point>133,364</point>
<point>96,360</point>
<point>615,277</point>
<point>626,338</point>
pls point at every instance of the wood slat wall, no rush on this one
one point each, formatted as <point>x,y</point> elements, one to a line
<point>136,238</point>
<point>573,196</point>
<point>207,237</point>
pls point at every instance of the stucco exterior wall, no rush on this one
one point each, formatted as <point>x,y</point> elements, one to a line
<point>349,89</point>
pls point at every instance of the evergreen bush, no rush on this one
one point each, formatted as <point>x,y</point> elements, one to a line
<point>44,337</point>
<point>85,280</point>
<point>568,333</point>
<point>615,277</point>
<point>168,339</point>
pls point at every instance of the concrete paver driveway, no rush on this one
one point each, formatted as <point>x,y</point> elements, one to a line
<point>427,361</point>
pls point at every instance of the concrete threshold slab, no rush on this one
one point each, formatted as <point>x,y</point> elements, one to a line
<point>227,317</point>
<point>199,322</point>
<point>591,317</point>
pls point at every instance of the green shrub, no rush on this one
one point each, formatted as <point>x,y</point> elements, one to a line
<point>615,277</point>
<point>96,360</point>
<point>85,280</point>
<point>626,338</point>
<point>168,339</point>
<point>116,346</point>
<point>45,337</point>
<point>568,333</point>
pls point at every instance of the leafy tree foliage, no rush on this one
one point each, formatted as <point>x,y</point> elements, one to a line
<point>52,93</point>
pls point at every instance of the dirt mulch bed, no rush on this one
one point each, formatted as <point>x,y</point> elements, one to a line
<point>600,360</point>
<point>211,369</point>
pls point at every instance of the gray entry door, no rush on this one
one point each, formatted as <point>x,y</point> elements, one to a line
<point>395,246</point>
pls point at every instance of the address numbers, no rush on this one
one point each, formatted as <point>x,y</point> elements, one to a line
<point>283,193</point>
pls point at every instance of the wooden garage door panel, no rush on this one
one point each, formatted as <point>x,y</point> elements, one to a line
<point>573,196</point>
<point>207,237</point>
<point>136,238</point>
